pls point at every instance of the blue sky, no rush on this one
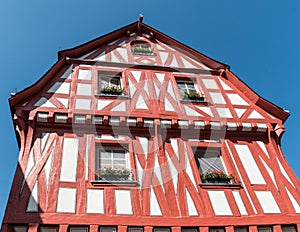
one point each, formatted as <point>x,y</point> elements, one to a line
<point>258,39</point>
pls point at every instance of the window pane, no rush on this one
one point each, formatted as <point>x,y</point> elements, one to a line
<point>161,230</point>
<point>108,229</point>
<point>240,229</point>
<point>105,154</point>
<point>78,229</point>
<point>189,230</point>
<point>288,228</point>
<point>119,154</point>
<point>135,229</point>
<point>20,228</point>
<point>48,229</point>
<point>219,229</point>
<point>264,229</point>
<point>209,161</point>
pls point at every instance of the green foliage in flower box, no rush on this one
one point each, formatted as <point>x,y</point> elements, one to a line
<point>216,176</point>
<point>112,90</point>
<point>193,96</point>
<point>113,174</point>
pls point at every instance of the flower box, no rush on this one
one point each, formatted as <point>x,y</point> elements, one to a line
<point>142,51</point>
<point>216,176</point>
<point>111,174</point>
<point>112,90</point>
<point>194,96</point>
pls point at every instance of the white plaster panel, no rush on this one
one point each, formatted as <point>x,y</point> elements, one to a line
<point>173,171</point>
<point>224,85</point>
<point>210,84</point>
<point>217,98</point>
<point>140,171</point>
<point>157,90</point>
<point>267,201</point>
<point>101,104</point>
<point>30,164</point>
<point>255,115</point>
<point>136,75</point>
<point>187,64</point>
<point>174,62</point>
<point>44,140</point>
<point>44,102</point>
<point>188,169</point>
<point>95,201</point>
<point>164,56</point>
<point>158,173</point>
<point>120,107</point>
<point>141,104</point>
<point>84,74</point>
<point>224,112</point>
<point>60,87</point>
<point>168,105</point>
<point>83,104</point>
<point>236,99</point>
<point>239,112</point>
<point>160,77</point>
<point>154,206</point>
<point>144,144</point>
<point>219,203</point>
<point>239,202</point>
<point>190,112</point>
<point>84,89</point>
<point>293,201</point>
<point>69,160</point>
<point>114,58</point>
<point>33,203</point>
<point>249,164</point>
<point>66,201</point>
<point>132,88</point>
<point>63,101</point>
<point>174,144</point>
<point>171,91</point>
<point>263,147</point>
<point>192,211</point>
<point>284,173</point>
<point>270,172</point>
<point>47,168</point>
<point>206,110</point>
<point>123,202</point>
<point>123,53</point>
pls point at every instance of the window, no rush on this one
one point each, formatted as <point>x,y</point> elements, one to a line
<point>189,230</point>
<point>107,229</point>
<point>141,48</point>
<point>241,229</point>
<point>188,90</point>
<point>112,163</point>
<point>217,229</point>
<point>135,229</point>
<point>288,228</point>
<point>45,228</point>
<point>211,167</point>
<point>110,84</point>
<point>20,228</point>
<point>264,229</point>
<point>161,230</point>
<point>79,229</point>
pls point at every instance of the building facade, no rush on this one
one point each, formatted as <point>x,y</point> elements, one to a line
<point>135,132</point>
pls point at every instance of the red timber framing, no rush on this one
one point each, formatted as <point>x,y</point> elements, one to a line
<point>70,130</point>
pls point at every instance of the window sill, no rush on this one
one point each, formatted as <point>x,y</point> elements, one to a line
<point>112,96</point>
<point>220,185</point>
<point>194,101</point>
<point>126,183</point>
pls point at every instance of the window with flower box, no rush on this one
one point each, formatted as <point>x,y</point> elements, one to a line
<point>141,48</point>
<point>110,84</point>
<point>210,166</point>
<point>112,164</point>
<point>188,90</point>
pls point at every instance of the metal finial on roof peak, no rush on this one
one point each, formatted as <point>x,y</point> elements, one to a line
<point>140,22</point>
